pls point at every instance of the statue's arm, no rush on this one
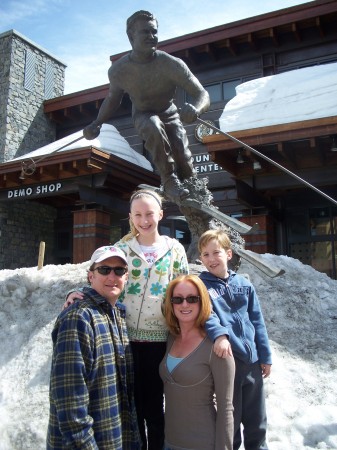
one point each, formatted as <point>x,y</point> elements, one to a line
<point>199,96</point>
<point>110,104</point>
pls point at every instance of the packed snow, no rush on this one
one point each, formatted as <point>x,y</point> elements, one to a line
<point>300,309</point>
<point>109,140</point>
<point>302,94</point>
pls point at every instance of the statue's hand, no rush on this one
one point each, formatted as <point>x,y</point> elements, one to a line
<point>91,131</point>
<point>188,113</point>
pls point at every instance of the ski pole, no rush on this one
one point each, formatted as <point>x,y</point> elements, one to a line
<point>27,169</point>
<point>261,155</point>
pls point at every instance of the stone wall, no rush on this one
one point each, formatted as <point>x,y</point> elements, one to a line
<point>23,225</point>
<point>28,76</point>
<point>23,88</point>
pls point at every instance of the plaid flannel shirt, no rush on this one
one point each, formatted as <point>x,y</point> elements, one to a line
<point>91,382</point>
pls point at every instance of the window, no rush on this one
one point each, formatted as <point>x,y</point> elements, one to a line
<point>29,71</point>
<point>214,92</point>
<point>223,91</point>
<point>312,238</point>
<point>228,89</point>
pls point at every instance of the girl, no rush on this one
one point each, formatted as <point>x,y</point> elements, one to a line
<point>153,261</point>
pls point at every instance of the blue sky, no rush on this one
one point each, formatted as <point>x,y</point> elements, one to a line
<point>84,33</point>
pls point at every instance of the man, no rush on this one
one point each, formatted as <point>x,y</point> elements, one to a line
<point>91,382</point>
<point>151,78</point>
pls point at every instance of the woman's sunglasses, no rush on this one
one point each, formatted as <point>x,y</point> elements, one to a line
<point>106,270</point>
<point>189,299</point>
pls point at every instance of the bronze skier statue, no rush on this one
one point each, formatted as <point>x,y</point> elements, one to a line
<point>150,77</point>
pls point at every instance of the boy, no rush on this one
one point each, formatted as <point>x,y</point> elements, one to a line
<point>238,315</point>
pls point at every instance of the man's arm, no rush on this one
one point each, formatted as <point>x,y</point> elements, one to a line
<point>110,104</point>
<point>72,358</point>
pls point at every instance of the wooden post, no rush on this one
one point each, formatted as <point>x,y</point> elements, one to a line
<point>91,230</point>
<point>41,255</point>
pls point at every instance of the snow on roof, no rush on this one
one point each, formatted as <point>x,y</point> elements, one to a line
<point>109,140</point>
<point>297,95</point>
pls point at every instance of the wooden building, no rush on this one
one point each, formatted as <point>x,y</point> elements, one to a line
<point>222,58</point>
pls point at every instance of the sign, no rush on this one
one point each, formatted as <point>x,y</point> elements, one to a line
<point>26,192</point>
<point>34,191</point>
<point>204,165</point>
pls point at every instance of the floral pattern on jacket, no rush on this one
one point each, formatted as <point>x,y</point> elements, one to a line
<point>146,287</point>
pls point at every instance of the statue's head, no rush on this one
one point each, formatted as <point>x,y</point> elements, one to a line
<point>139,15</point>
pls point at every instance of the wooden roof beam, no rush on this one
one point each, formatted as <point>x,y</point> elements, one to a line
<point>84,110</point>
<point>321,153</point>
<point>208,49</point>
<point>273,36</point>
<point>98,104</point>
<point>229,44</point>
<point>3,180</point>
<point>71,113</point>
<point>319,26</point>
<point>56,116</point>
<point>66,168</point>
<point>296,32</point>
<point>251,41</point>
<point>10,180</point>
<point>285,155</point>
<point>187,55</point>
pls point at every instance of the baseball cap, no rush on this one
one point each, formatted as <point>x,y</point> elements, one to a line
<point>105,252</point>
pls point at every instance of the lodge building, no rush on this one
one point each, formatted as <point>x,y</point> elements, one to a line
<point>76,198</point>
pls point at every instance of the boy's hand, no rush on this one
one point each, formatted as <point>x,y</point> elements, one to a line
<point>222,347</point>
<point>72,297</point>
<point>266,369</point>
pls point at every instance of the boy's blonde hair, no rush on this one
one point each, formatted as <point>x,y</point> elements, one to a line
<point>141,193</point>
<point>205,303</point>
<point>220,236</point>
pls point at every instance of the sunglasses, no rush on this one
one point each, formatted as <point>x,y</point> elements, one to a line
<point>106,270</point>
<point>189,299</point>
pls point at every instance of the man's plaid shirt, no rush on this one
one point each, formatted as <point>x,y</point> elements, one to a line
<point>91,382</point>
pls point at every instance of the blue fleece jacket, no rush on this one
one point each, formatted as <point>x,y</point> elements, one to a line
<point>237,314</point>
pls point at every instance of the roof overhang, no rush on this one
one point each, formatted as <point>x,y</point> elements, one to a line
<point>303,148</point>
<point>57,179</point>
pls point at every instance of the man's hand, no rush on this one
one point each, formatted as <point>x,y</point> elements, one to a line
<point>222,347</point>
<point>92,131</point>
<point>188,113</point>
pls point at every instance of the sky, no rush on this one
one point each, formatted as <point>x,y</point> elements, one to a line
<point>83,34</point>
<point>300,311</point>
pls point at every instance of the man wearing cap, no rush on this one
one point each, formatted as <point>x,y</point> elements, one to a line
<point>91,381</point>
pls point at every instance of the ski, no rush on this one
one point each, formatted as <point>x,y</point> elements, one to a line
<point>240,227</point>
<point>255,260</point>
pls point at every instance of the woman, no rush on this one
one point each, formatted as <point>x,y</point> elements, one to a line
<point>192,373</point>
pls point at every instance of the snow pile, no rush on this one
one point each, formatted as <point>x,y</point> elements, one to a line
<point>300,309</point>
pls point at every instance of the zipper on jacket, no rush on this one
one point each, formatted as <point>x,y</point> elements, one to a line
<point>231,296</point>
<point>141,305</point>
